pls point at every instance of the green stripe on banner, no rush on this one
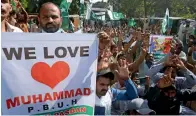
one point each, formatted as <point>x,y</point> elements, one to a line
<point>158,56</point>
<point>75,110</point>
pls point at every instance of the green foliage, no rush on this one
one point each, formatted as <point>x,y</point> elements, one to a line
<point>24,3</point>
<point>178,8</point>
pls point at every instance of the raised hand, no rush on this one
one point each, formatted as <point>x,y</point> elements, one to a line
<point>169,61</point>
<point>166,80</point>
<point>144,50</point>
<point>122,71</point>
<point>180,64</point>
<point>103,64</point>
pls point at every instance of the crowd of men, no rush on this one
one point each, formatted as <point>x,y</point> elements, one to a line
<point>129,81</point>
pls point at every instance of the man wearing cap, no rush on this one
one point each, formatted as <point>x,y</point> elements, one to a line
<point>139,106</point>
<point>106,95</point>
<point>165,99</point>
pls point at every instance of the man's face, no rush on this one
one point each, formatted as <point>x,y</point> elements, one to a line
<point>149,57</point>
<point>102,85</point>
<point>173,75</point>
<point>50,19</point>
<point>122,61</point>
<point>105,39</point>
<point>115,50</point>
<point>5,9</point>
<point>170,94</point>
<point>190,41</point>
<point>12,20</point>
<point>178,49</point>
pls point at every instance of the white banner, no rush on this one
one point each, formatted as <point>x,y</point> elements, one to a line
<point>48,74</point>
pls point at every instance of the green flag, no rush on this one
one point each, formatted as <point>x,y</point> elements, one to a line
<point>81,7</point>
<point>64,6</point>
<point>13,4</point>
<point>132,23</point>
<point>165,23</point>
<point>115,15</point>
<point>94,16</point>
<point>88,12</point>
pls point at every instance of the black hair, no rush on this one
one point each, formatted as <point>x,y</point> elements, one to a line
<point>49,3</point>
<point>107,76</point>
<point>113,46</point>
<point>12,13</point>
<point>71,19</point>
<point>121,56</point>
<point>171,87</point>
<point>135,74</point>
<point>192,37</point>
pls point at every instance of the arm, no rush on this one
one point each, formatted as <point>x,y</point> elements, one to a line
<point>133,67</point>
<point>128,94</point>
<point>129,44</point>
<point>190,78</point>
<point>134,48</point>
<point>164,58</point>
<point>186,95</point>
<point>155,69</point>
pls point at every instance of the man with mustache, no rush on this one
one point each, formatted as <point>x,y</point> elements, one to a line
<point>5,12</point>
<point>50,18</point>
<point>105,94</point>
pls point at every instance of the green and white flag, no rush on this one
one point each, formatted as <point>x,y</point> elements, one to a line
<point>97,16</point>
<point>132,23</point>
<point>165,22</point>
<point>64,6</point>
<point>81,7</point>
<point>115,15</point>
<point>88,12</point>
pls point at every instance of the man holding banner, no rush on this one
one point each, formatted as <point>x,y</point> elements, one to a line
<point>50,18</point>
<point>48,75</point>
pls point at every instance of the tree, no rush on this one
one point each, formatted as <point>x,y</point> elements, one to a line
<point>178,8</point>
<point>24,3</point>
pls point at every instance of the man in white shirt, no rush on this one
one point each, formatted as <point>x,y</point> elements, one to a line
<point>105,95</point>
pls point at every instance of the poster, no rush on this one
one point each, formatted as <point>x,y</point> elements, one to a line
<point>48,74</point>
<point>160,45</point>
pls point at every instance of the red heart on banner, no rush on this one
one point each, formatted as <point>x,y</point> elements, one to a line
<point>50,76</point>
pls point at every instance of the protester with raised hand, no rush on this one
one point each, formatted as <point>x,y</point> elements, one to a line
<point>135,65</point>
<point>106,95</point>
<point>22,17</point>
<point>184,78</point>
<point>5,10</point>
<point>165,99</point>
